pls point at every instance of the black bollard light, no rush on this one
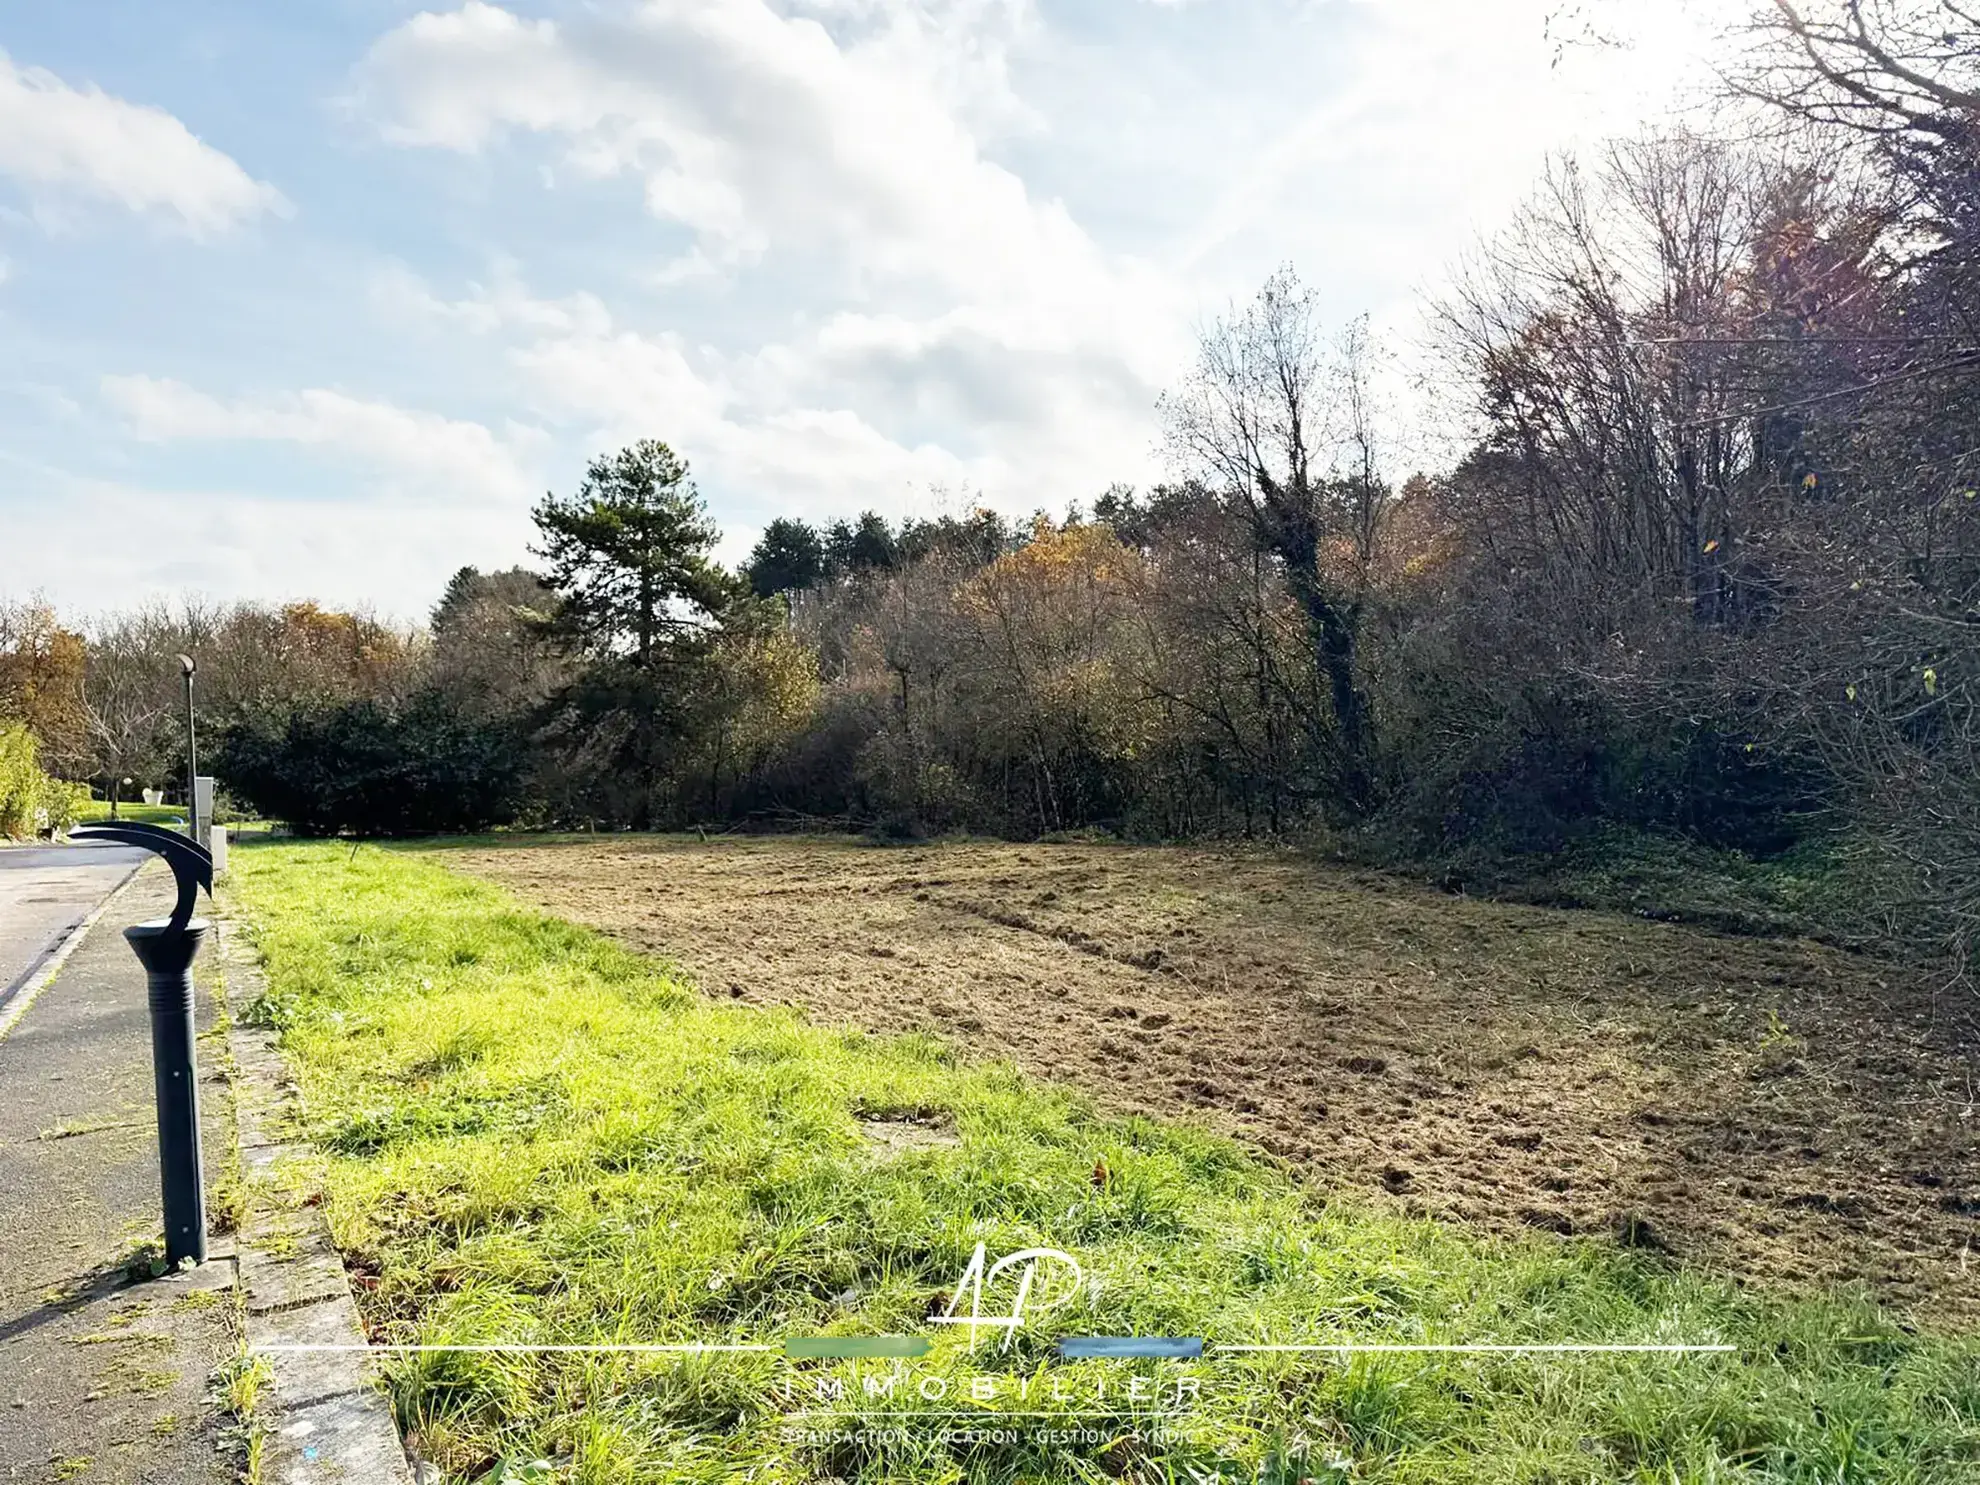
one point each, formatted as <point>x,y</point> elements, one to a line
<point>166,948</point>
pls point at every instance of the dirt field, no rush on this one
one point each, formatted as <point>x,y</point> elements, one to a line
<point>1770,1108</point>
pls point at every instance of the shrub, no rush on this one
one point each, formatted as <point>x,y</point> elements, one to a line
<point>32,803</point>
<point>373,768</point>
<point>1529,769</point>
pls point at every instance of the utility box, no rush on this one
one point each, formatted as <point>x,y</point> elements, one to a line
<point>202,812</point>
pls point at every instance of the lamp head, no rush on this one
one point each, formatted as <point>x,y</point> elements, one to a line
<point>192,865</point>
<point>186,664</point>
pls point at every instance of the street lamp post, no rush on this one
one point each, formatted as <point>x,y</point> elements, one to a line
<point>192,756</point>
<point>166,948</point>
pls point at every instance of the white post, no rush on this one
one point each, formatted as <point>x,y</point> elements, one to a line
<point>202,806</point>
<point>217,835</point>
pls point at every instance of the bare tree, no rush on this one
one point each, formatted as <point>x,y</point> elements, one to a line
<point>1887,68</point>
<point>1282,424</point>
<point>1878,664</point>
<point>130,696</point>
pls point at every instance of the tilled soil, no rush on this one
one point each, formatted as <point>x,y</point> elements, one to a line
<point>1769,1108</point>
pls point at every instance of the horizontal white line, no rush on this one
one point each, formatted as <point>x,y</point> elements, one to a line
<point>1515,1350</point>
<point>1564,1348</point>
<point>517,1347</point>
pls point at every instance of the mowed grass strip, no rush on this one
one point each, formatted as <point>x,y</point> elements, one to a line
<point>532,1134</point>
<point>127,812</point>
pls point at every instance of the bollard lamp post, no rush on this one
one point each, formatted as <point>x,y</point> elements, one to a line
<point>192,755</point>
<point>166,948</point>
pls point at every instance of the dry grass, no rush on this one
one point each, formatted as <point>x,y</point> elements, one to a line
<point>1770,1108</point>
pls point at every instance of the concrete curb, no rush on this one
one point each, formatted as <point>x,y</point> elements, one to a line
<point>330,1421</point>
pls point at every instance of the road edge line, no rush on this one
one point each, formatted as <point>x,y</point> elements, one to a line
<point>42,975</point>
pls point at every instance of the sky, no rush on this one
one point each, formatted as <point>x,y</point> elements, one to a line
<point>315,300</point>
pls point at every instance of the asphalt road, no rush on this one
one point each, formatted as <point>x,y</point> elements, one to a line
<point>44,892</point>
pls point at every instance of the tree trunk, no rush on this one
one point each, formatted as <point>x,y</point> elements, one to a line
<point>1333,632</point>
<point>645,618</point>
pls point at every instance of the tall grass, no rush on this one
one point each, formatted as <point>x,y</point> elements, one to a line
<point>532,1134</point>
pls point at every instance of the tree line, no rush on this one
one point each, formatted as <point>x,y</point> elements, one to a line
<point>1709,566</point>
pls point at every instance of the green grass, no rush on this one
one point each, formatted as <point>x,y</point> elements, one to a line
<point>1822,888</point>
<point>138,811</point>
<point>533,1134</point>
<point>1815,890</point>
<point>240,1389</point>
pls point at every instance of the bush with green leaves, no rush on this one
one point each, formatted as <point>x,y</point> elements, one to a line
<point>375,768</point>
<point>32,803</point>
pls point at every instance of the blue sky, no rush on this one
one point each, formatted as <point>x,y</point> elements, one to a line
<point>315,299</point>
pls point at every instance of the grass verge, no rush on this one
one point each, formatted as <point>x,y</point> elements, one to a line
<point>138,812</point>
<point>534,1135</point>
<point>1832,887</point>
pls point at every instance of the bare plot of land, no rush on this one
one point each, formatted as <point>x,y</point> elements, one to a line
<point>1772,1108</point>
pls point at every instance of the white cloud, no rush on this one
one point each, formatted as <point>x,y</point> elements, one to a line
<point>972,333</point>
<point>504,303</point>
<point>62,143</point>
<point>763,134</point>
<point>763,441</point>
<point>955,314</point>
<point>393,557</point>
<point>499,70</point>
<point>831,463</point>
<point>820,425</point>
<point>461,460</point>
<point>1441,125</point>
<point>887,244</point>
<point>911,312</point>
